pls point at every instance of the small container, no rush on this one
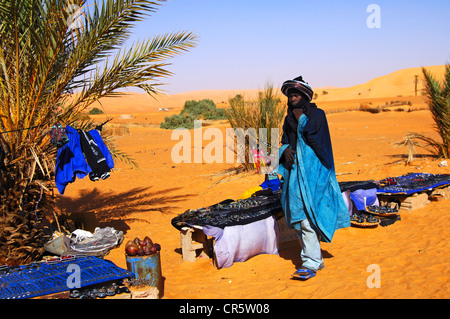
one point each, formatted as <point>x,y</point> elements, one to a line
<point>147,268</point>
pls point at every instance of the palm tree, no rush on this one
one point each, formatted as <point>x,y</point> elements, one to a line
<point>438,101</point>
<point>57,57</point>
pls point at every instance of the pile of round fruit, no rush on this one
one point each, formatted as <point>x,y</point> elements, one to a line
<point>139,247</point>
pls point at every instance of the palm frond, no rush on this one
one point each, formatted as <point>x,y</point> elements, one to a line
<point>438,103</point>
<point>438,100</point>
<point>141,66</point>
<point>45,59</point>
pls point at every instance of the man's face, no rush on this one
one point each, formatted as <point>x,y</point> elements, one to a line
<point>294,99</point>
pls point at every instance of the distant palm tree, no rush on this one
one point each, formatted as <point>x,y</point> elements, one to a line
<point>438,100</point>
<point>57,57</point>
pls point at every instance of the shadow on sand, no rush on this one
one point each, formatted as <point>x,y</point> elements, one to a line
<point>291,251</point>
<point>94,208</point>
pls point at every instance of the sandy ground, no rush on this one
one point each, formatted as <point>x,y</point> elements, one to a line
<point>412,254</point>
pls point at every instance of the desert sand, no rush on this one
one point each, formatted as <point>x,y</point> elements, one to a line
<point>412,254</point>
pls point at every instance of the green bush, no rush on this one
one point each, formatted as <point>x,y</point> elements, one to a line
<point>178,121</point>
<point>267,112</point>
<point>193,110</point>
<point>95,110</point>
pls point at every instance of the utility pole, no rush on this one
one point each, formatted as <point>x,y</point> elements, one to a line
<point>415,83</point>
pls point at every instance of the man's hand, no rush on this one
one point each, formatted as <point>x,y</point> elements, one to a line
<point>289,155</point>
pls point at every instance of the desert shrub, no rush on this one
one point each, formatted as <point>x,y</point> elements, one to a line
<point>218,114</point>
<point>178,121</point>
<point>365,107</point>
<point>198,108</point>
<point>95,110</point>
<point>193,110</point>
<point>203,109</point>
<point>267,112</point>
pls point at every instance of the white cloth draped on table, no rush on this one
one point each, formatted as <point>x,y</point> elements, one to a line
<point>241,242</point>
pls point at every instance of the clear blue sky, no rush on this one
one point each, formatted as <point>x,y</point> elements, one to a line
<point>245,43</point>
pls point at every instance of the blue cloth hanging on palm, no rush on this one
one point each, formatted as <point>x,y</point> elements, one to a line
<point>71,162</point>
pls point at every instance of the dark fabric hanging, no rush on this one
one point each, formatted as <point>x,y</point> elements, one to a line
<point>94,157</point>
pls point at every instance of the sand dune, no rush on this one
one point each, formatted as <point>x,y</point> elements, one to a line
<point>399,85</point>
<point>412,254</point>
<point>395,84</point>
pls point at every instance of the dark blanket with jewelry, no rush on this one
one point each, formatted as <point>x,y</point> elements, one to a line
<point>412,183</point>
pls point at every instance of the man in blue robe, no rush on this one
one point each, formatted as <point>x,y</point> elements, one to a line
<point>311,197</point>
